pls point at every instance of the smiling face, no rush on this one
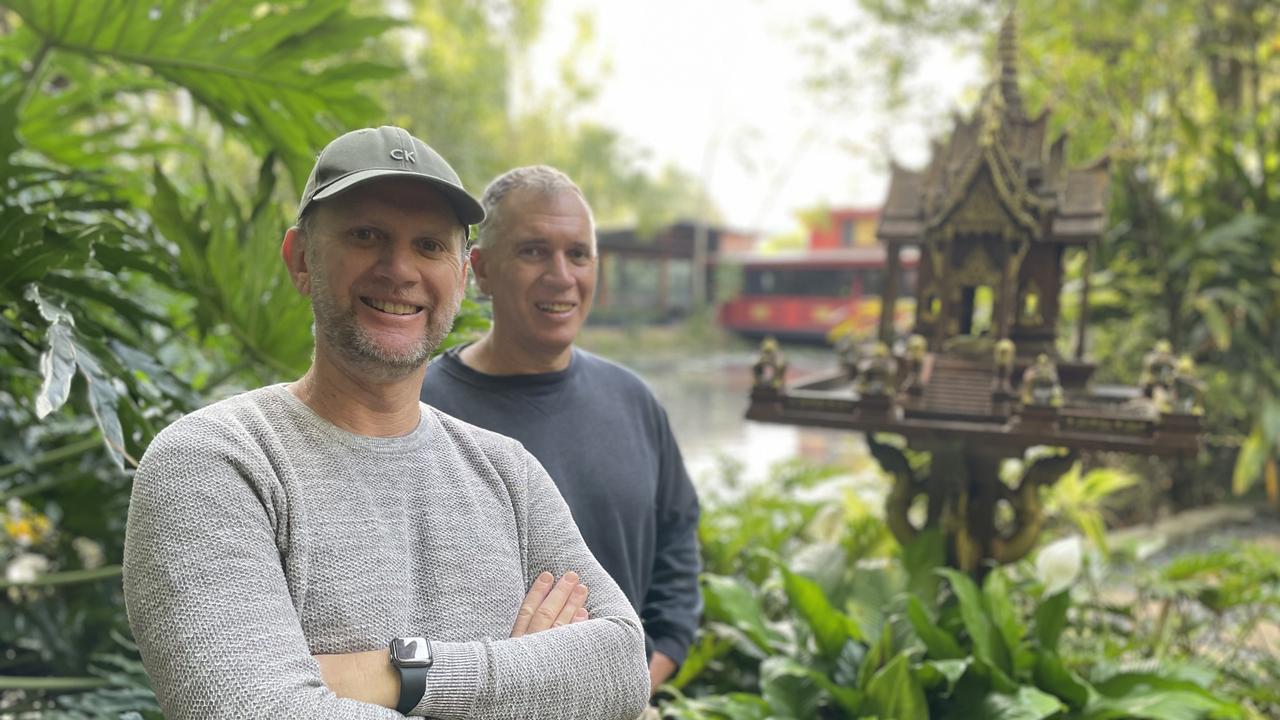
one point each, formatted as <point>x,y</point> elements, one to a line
<point>540,270</point>
<point>385,271</point>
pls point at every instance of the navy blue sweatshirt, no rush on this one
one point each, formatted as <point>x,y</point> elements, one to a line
<point>606,442</point>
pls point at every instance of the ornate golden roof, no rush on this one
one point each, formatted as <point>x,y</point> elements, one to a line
<point>1044,199</point>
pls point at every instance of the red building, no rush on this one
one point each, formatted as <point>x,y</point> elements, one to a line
<point>845,228</point>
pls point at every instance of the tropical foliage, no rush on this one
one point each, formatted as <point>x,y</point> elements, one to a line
<point>151,152</point>
<point>812,612</point>
<point>139,279</point>
<point>1182,97</point>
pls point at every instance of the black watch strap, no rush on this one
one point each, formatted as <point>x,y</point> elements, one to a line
<point>413,685</point>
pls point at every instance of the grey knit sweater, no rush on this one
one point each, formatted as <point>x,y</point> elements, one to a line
<point>260,534</point>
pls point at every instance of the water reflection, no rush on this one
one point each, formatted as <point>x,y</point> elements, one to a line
<point>706,398</point>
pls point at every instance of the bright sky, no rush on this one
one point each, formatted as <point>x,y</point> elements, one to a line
<point>716,89</point>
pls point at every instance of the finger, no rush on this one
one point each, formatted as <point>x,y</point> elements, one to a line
<point>537,593</point>
<point>581,615</point>
<point>576,600</point>
<point>549,609</point>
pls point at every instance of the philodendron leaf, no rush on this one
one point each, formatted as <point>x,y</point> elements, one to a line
<point>1250,461</point>
<point>919,558</point>
<point>796,690</point>
<point>1051,618</point>
<point>831,628</point>
<point>987,641</point>
<point>937,642</point>
<point>1148,696</point>
<point>936,672</point>
<point>995,591</point>
<point>1028,703</point>
<point>103,399</point>
<point>894,692</point>
<point>789,687</point>
<point>731,601</point>
<point>58,363</point>
<point>1052,676</point>
<point>57,367</point>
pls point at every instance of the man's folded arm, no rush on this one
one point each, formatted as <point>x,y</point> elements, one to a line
<point>206,594</point>
<point>593,668</point>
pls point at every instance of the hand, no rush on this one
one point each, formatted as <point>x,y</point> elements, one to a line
<point>660,669</point>
<point>551,604</point>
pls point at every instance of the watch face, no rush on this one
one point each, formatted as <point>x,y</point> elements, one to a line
<point>411,652</point>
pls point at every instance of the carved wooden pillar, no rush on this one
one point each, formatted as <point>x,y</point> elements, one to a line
<point>889,296</point>
<point>1007,285</point>
<point>1084,301</point>
<point>943,283</point>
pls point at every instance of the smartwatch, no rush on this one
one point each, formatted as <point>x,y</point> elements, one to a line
<point>412,658</point>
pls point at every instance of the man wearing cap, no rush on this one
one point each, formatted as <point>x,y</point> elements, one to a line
<point>594,425</point>
<point>333,548</point>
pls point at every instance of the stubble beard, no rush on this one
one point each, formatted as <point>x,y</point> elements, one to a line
<point>342,332</point>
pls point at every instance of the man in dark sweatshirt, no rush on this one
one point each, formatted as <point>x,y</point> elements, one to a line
<point>594,425</point>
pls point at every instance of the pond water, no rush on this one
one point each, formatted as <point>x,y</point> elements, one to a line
<point>706,397</point>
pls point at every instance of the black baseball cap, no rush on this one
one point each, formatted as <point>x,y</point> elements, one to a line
<point>387,151</point>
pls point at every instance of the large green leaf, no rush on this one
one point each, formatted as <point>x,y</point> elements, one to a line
<point>894,692</point>
<point>995,592</point>
<point>32,248</point>
<point>230,263</point>
<point>831,628</point>
<point>708,647</point>
<point>1158,697</point>
<point>1250,461</point>
<point>988,644</point>
<point>58,363</point>
<point>1027,703</point>
<point>251,64</point>
<point>919,557</point>
<point>1052,676</point>
<point>938,642</point>
<point>732,601</point>
<point>795,690</point>
<point>1051,618</point>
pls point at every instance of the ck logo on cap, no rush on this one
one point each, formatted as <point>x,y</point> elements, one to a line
<point>403,155</point>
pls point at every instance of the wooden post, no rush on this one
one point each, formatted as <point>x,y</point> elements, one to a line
<point>1007,283</point>
<point>664,283</point>
<point>944,293</point>
<point>889,294</point>
<point>1083,320</point>
<point>602,283</point>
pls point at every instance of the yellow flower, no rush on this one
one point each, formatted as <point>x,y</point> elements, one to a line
<point>21,530</point>
<point>25,526</point>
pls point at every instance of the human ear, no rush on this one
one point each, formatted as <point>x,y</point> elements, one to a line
<point>293,249</point>
<point>480,270</point>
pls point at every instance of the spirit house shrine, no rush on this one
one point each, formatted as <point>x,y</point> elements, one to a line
<point>983,376</point>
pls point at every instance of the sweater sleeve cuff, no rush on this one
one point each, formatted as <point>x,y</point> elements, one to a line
<point>453,682</point>
<point>672,648</point>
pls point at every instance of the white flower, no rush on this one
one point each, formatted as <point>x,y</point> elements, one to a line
<point>26,568</point>
<point>1058,564</point>
<point>90,552</point>
<point>14,508</point>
